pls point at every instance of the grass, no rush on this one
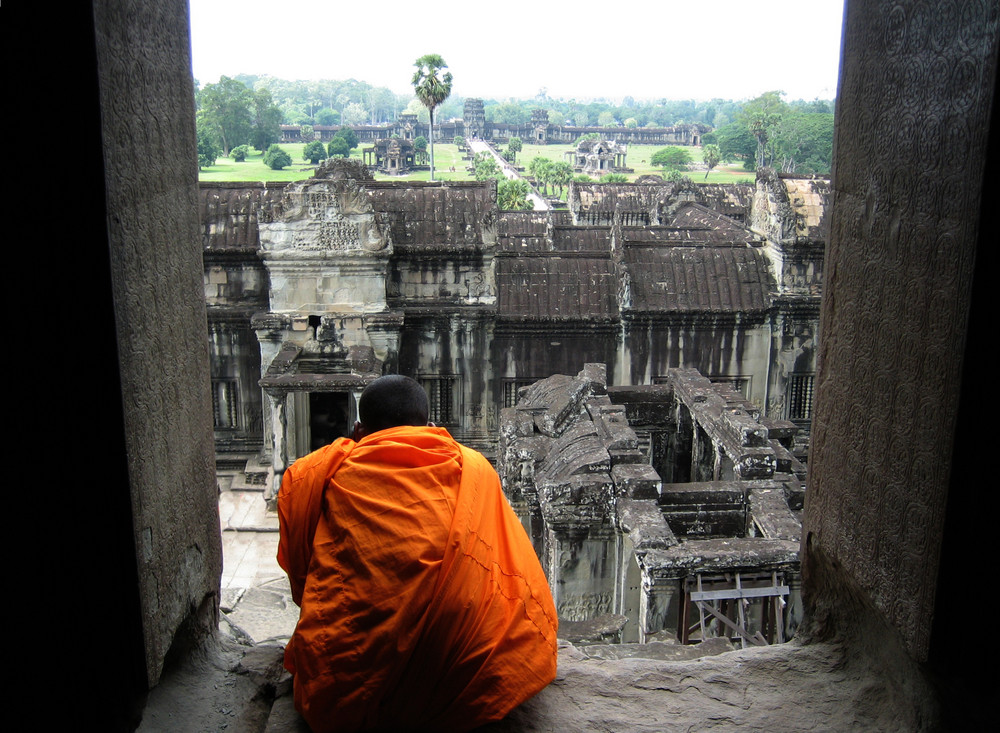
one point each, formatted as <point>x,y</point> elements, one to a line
<point>447,156</point>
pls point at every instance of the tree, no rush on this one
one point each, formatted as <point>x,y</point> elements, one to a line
<point>671,157</point>
<point>675,176</point>
<point>349,136</point>
<point>514,145</point>
<point>606,119</point>
<point>631,123</point>
<point>307,133</point>
<point>762,117</point>
<point>327,117</point>
<point>208,149</point>
<point>510,113</point>
<point>512,195</point>
<point>459,141</point>
<point>803,143</point>
<point>226,107</point>
<point>239,153</point>
<point>415,107</point>
<point>266,120</point>
<point>354,114</point>
<point>314,152</point>
<point>711,155</point>
<point>420,148</point>
<point>540,169</point>
<point>614,178</point>
<point>560,174</point>
<point>276,158</point>
<point>431,90</point>
<point>485,167</point>
<point>338,146</point>
<point>736,143</point>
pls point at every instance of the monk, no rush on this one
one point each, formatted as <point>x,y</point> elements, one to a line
<point>422,603</point>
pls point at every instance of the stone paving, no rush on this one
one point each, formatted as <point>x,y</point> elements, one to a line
<point>256,598</point>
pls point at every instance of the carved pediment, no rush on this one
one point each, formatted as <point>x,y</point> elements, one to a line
<point>323,215</point>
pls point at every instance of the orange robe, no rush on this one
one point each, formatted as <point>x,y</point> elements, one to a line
<point>423,604</point>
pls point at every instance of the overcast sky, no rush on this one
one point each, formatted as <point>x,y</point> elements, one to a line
<point>647,49</point>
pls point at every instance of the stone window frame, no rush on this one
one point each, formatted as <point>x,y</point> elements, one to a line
<point>226,413</point>
<point>800,394</point>
<point>509,387</point>
<point>444,395</point>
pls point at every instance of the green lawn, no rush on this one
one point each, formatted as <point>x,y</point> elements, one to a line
<point>253,168</point>
<point>447,156</point>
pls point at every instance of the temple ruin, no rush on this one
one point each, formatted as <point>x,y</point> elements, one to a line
<point>393,156</point>
<point>700,543</point>
<point>596,158</point>
<point>316,287</point>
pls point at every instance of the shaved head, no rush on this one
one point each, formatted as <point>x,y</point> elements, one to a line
<point>392,401</point>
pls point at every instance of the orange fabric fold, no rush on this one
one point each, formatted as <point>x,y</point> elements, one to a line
<point>423,605</point>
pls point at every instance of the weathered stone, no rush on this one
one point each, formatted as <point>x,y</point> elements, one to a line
<point>606,628</point>
<point>770,514</point>
<point>658,650</point>
<point>636,481</point>
<point>643,522</point>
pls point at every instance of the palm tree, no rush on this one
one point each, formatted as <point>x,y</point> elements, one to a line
<point>431,90</point>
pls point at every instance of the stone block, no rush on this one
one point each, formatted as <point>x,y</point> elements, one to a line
<point>636,481</point>
<point>644,524</point>
<point>578,490</point>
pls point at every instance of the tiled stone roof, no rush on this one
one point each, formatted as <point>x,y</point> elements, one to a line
<point>697,279</point>
<point>435,214</point>
<point>557,288</point>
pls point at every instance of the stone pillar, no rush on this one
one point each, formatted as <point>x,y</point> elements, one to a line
<point>149,257</point>
<point>278,419</point>
<point>913,112</point>
<point>658,595</point>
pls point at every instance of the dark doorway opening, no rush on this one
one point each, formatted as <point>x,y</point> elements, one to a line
<point>328,418</point>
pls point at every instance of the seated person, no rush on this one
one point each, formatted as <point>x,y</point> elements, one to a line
<point>422,602</point>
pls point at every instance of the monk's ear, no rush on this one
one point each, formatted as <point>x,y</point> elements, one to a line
<point>359,432</point>
<point>430,424</point>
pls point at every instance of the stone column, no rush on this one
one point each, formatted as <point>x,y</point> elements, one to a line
<point>279,446</point>
<point>654,605</point>
<point>912,130</point>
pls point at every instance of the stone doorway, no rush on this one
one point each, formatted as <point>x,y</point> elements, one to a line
<point>329,418</point>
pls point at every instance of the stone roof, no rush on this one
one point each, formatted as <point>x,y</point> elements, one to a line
<point>523,231</point>
<point>723,228</point>
<point>582,239</point>
<point>659,201</point>
<point>698,279</point>
<point>228,213</point>
<point>455,214</point>
<point>559,288</point>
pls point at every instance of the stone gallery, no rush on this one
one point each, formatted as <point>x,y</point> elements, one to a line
<point>474,125</point>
